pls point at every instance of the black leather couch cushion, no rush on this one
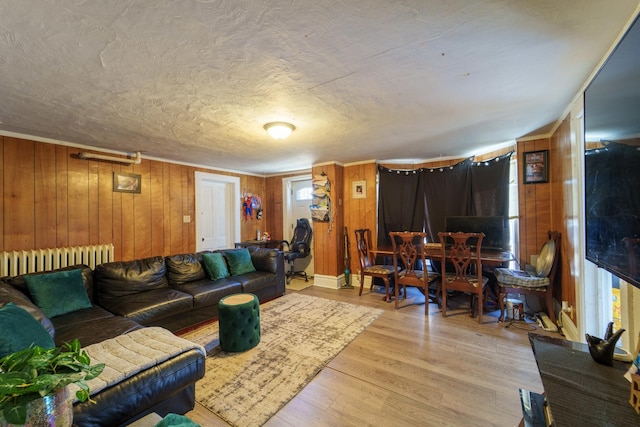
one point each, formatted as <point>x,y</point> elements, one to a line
<point>253,282</point>
<point>118,279</point>
<point>184,268</point>
<point>264,259</point>
<point>207,293</point>
<point>150,307</point>
<point>91,325</point>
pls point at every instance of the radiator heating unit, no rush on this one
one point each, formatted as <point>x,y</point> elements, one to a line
<point>13,263</point>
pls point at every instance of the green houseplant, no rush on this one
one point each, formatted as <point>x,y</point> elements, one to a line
<point>35,372</point>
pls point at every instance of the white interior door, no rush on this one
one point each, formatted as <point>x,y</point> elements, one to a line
<point>217,210</point>
<point>297,206</point>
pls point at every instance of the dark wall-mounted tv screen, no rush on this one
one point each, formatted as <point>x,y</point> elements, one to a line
<point>494,228</point>
<point>612,161</point>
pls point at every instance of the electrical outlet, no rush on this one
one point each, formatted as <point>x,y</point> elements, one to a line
<point>186,218</point>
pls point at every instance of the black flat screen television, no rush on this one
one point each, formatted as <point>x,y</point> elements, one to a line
<point>612,161</point>
<point>494,228</point>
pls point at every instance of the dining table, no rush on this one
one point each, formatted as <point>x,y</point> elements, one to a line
<point>491,258</point>
<point>433,251</point>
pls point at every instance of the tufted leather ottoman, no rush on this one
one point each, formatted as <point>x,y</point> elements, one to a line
<point>239,320</point>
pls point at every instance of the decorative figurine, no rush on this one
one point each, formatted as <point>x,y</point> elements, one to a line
<point>601,350</point>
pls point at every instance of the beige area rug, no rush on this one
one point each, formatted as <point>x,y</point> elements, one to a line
<point>299,284</point>
<point>300,334</point>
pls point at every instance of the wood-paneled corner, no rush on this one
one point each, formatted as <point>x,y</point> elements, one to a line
<point>360,212</point>
<point>328,236</point>
<point>274,208</point>
<point>534,205</point>
<point>565,209</point>
<point>255,186</point>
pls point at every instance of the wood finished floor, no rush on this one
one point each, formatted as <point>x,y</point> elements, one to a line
<point>409,370</point>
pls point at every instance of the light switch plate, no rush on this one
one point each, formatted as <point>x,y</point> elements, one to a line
<point>186,218</point>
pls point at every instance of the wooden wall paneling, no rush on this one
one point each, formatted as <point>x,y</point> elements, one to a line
<point>320,241</point>
<point>19,193</point>
<point>65,201</point>
<point>329,246</point>
<point>191,209</point>
<point>184,247</point>
<point>320,261</point>
<point>128,220</point>
<point>352,214</point>
<point>256,186</point>
<point>156,194</point>
<point>274,206</point>
<point>62,200</point>
<point>264,222</point>
<point>534,206</point>
<point>94,202</point>
<point>78,199</point>
<point>175,208</point>
<point>246,230</point>
<point>564,208</point>
<point>117,220</point>
<point>142,211</point>
<point>338,228</point>
<point>166,206</point>
<point>2,213</point>
<point>360,213</point>
<point>45,196</point>
<point>105,202</point>
<point>543,201</point>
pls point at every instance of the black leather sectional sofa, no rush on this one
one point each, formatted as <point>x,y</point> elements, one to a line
<point>172,292</point>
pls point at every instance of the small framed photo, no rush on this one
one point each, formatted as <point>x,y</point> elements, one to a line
<point>359,189</point>
<point>536,166</point>
<point>127,182</point>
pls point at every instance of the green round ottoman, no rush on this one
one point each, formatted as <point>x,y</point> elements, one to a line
<point>239,320</point>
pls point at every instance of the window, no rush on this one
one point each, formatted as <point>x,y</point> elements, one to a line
<point>513,208</point>
<point>304,194</point>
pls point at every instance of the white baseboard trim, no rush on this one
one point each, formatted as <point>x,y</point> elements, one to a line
<point>331,282</point>
<point>569,328</point>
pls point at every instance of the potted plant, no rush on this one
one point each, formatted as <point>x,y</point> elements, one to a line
<point>35,373</point>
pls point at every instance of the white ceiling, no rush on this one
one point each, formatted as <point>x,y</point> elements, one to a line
<point>195,81</point>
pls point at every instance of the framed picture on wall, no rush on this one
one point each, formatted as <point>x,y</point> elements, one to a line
<point>126,182</point>
<point>536,166</point>
<point>359,189</point>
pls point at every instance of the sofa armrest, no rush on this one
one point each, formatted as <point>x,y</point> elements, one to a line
<point>143,368</point>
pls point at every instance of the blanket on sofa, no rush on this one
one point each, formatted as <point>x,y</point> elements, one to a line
<point>128,354</point>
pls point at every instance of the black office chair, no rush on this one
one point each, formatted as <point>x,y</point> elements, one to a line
<point>298,248</point>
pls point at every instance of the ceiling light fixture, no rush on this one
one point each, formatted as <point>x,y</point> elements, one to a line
<point>279,130</point>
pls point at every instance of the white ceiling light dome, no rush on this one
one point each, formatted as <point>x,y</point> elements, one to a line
<point>279,130</point>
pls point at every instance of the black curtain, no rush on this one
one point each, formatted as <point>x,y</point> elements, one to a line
<point>400,203</point>
<point>490,187</point>
<point>422,199</point>
<point>447,193</point>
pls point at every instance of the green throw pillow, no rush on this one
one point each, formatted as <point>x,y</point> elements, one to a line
<point>20,330</point>
<point>239,262</point>
<point>215,266</point>
<point>58,293</point>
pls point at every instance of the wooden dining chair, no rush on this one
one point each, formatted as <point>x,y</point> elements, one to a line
<point>466,274</point>
<point>368,266</point>
<point>410,264</point>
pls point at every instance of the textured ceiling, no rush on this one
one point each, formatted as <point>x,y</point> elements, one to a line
<point>195,81</point>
